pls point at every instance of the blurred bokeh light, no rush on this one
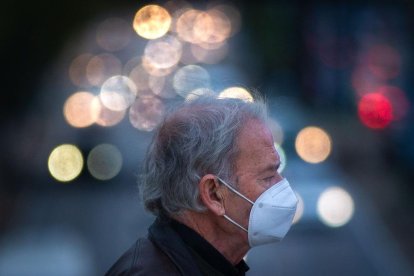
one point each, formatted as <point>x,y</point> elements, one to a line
<point>65,162</point>
<point>108,117</point>
<point>81,109</point>
<point>335,207</point>
<point>398,99</point>
<point>384,61</point>
<point>101,67</point>
<point>104,161</point>
<point>118,93</point>
<point>162,86</point>
<point>189,78</point>
<point>78,70</point>
<point>154,70</point>
<point>236,93</point>
<point>146,113</point>
<point>313,144</point>
<point>185,25</point>
<point>375,111</point>
<point>164,52</point>
<point>152,22</point>
<point>211,26</point>
<point>141,79</point>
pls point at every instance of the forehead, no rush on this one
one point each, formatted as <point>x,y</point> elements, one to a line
<point>256,148</point>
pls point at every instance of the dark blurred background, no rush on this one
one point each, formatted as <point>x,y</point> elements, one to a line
<point>342,66</point>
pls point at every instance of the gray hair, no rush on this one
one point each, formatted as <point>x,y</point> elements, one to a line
<point>198,138</point>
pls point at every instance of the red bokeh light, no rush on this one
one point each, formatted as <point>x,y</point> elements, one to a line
<point>375,111</point>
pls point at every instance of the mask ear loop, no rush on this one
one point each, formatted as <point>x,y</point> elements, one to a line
<point>239,194</point>
<point>235,223</point>
<point>235,191</point>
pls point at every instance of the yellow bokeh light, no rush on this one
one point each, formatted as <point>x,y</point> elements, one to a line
<point>299,209</point>
<point>81,109</point>
<point>212,26</point>
<point>65,162</point>
<point>104,161</point>
<point>335,207</point>
<point>313,144</point>
<point>185,25</point>
<point>198,27</point>
<point>236,93</point>
<point>152,21</point>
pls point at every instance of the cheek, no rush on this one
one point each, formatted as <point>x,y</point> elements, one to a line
<point>239,208</point>
<point>254,194</point>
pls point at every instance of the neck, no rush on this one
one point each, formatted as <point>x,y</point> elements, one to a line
<point>208,226</point>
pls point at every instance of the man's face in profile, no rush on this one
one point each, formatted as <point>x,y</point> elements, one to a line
<point>256,170</point>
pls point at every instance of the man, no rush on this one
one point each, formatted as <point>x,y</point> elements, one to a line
<point>211,178</point>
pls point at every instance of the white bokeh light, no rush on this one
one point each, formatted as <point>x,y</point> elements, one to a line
<point>118,93</point>
<point>190,78</point>
<point>335,207</point>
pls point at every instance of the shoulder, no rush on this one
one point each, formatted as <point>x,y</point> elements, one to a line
<point>143,258</point>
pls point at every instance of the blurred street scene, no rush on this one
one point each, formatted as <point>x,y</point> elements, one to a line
<point>87,82</point>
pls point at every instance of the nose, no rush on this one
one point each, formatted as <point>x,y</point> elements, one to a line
<point>278,177</point>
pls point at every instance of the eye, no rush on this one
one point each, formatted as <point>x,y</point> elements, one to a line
<point>270,178</point>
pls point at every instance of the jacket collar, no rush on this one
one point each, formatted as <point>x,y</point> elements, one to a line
<point>161,233</point>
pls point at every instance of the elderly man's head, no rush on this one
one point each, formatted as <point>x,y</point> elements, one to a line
<point>213,166</point>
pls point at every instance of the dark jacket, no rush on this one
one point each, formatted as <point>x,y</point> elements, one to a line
<point>174,249</point>
<point>162,253</point>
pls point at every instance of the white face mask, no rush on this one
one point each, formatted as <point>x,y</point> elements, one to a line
<point>271,215</point>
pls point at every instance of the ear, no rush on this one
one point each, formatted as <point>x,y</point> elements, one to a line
<point>211,194</point>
